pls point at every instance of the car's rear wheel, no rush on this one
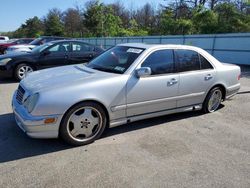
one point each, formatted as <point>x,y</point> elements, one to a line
<point>213,100</point>
<point>83,124</point>
<point>22,70</point>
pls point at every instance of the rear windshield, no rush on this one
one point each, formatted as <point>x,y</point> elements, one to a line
<point>36,41</point>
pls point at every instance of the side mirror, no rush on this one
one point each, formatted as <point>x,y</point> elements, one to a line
<point>143,72</point>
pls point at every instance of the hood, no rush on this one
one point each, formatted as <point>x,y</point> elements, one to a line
<point>64,76</point>
<point>14,55</point>
<point>28,46</point>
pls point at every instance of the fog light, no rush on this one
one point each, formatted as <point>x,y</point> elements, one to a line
<point>49,120</point>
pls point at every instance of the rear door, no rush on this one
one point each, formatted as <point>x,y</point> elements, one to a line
<point>196,76</point>
<point>55,55</point>
<point>81,52</point>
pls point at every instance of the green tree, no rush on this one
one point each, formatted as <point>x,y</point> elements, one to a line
<point>167,23</point>
<point>230,19</point>
<point>101,20</point>
<point>133,30</point>
<point>111,24</point>
<point>176,17</point>
<point>53,23</point>
<point>33,27</point>
<point>205,21</point>
<point>93,18</point>
<point>183,27</point>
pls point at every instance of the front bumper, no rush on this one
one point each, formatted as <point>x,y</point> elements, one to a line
<point>34,126</point>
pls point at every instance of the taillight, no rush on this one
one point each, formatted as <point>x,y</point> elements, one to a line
<point>239,77</point>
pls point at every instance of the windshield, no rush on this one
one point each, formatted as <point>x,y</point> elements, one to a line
<point>38,49</point>
<point>116,60</point>
<point>12,40</point>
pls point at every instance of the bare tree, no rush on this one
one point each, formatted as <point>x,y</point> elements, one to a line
<point>72,22</point>
<point>145,16</point>
<point>121,11</point>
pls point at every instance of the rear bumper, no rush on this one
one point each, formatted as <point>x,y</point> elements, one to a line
<point>34,126</point>
<point>232,90</point>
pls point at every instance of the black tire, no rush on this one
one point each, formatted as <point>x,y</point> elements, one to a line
<point>17,69</point>
<point>206,108</point>
<point>64,132</point>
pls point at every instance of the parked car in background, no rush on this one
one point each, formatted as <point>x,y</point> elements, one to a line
<point>13,42</point>
<point>51,54</point>
<point>28,47</point>
<point>126,83</point>
<point>3,39</point>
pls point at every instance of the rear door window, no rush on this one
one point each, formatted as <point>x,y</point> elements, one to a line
<point>205,63</point>
<point>187,60</point>
<point>81,47</point>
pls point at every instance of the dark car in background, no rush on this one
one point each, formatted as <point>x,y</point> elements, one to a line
<point>37,42</point>
<point>51,54</point>
<point>13,42</point>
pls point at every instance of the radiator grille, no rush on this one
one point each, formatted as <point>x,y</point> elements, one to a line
<point>20,94</point>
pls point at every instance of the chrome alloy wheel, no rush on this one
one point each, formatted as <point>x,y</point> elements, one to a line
<point>215,100</point>
<point>84,124</point>
<point>24,70</point>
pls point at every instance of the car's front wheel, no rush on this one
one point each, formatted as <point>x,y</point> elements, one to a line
<point>83,124</point>
<point>22,70</point>
<point>213,100</point>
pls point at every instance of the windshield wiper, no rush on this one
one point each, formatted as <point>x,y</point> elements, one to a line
<point>106,69</point>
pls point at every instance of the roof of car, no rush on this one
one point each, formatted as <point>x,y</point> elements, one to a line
<point>51,37</point>
<point>147,46</point>
<point>69,40</point>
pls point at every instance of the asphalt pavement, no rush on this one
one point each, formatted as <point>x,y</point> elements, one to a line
<point>182,150</point>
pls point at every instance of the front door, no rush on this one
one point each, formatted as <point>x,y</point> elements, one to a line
<point>156,92</point>
<point>55,55</point>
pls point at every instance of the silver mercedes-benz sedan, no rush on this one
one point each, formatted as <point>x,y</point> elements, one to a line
<point>128,82</point>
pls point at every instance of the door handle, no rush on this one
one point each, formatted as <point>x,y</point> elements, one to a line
<point>66,56</point>
<point>172,82</point>
<point>208,77</point>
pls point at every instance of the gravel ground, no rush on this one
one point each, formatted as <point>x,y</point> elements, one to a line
<point>182,150</point>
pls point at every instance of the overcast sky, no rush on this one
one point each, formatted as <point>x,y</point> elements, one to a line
<point>15,12</point>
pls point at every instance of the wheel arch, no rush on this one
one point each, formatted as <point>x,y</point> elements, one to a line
<point>23,62</point>
<point>89,100</point>
<point>223,88</point>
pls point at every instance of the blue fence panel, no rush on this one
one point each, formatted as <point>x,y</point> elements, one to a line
<point>233,57</point>
<point>204,43</point>
<point>233,43</point>
<point>230,48</point>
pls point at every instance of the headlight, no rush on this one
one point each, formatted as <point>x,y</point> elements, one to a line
<point>30,102</point>
<point>5,61</point>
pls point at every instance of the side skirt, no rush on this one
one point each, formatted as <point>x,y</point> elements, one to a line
<point>121,121</point>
